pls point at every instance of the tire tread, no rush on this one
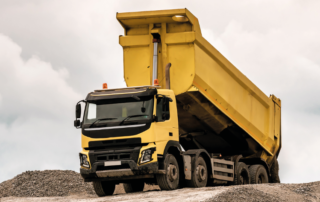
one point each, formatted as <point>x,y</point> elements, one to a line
<point>162,178</point>
<point>253,172</point>
<point>193,182</point>
<point>102,189</point>
<point>235,180</point>
<point>136,186</point>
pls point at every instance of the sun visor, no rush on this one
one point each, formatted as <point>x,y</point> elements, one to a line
<point>115,94</point>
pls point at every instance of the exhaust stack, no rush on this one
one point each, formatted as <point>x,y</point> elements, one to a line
<point>155,62</point>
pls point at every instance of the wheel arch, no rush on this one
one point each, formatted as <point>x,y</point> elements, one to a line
<point>173,147</point>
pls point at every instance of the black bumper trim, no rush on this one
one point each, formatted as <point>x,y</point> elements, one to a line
<point>150,168</point>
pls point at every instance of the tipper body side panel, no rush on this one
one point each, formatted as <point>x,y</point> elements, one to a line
<point>219,108</point>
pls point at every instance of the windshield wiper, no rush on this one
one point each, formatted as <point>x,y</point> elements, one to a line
<point>98,120</point>
<point>128,117</point>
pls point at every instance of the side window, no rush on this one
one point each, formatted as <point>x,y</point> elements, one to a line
<point>163,112</point>
<point>92,111</point>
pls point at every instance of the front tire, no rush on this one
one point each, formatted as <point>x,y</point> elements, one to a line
<point>199,177</point>
<point>170,180</point>
<point>135,186</point>
<point>103,188</point>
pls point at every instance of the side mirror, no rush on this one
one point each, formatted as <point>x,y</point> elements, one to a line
<point>170,99</point>
<point>143,109</point>
<point>78,111</point>
<point>76,123</point>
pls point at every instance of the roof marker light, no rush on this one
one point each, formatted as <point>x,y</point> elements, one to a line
<point>180,18</point>
<point>156,82</point>
<point>105,86</point>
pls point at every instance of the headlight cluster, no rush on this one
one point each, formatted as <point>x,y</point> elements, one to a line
<point>146,155</point>
<point>84,160</point>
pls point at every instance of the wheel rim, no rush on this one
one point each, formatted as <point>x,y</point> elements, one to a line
<point>201,173</point>
<point>172,172</point>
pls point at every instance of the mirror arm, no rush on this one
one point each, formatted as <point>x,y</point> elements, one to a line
<point>169,98</point>
<point>82,101</point>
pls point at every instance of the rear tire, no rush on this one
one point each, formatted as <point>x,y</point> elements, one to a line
<point>135,186</point>
<point>103,188</point>
<point>274,171</point>
<point>241,174</point>
<point>199,177</point>
<point>258,174</point>
<point>170,180</point>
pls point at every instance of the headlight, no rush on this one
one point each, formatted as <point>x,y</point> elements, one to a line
<point>146,155</point>
<point>84,161</point>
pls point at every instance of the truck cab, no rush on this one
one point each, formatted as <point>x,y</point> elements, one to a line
<point>126,133</point>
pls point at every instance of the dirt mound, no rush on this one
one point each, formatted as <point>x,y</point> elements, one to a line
<point>50,183</point>
<point>248,194</point>
<point>58,185</point>
<point>270,193</point>
<point>45,183</point>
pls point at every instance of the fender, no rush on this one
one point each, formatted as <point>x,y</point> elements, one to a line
<point>171,143</point>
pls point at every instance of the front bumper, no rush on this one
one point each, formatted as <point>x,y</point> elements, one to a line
<point>130,169</point>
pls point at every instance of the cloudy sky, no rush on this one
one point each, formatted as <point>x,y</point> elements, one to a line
<point>52,53</point>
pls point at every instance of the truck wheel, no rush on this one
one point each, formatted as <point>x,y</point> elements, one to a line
<point>274,171</point>
<point>134,186</point>
<point>199,176</point>
<point>241,174</point>
<point>258,174</point>
<point>104,188</point>
<point>170,180</point>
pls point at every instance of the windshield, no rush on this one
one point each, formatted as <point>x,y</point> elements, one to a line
<point>115,111</point>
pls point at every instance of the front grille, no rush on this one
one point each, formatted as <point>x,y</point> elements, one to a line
<point>115,154</point>
<point>108,157</point>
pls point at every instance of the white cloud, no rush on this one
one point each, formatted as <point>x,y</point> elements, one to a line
<point>36,114</point>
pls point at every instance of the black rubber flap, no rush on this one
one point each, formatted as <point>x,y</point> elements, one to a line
<point>114,94</point>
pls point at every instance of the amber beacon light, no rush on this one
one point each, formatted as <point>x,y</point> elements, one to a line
<point>156,82</point>
<point>105,86</point>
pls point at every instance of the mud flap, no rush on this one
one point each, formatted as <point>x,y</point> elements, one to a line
<point>187,166</point>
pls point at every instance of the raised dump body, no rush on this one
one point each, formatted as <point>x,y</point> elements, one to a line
<point>219,108</point>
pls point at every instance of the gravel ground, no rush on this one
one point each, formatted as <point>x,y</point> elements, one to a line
<point>50,183</point>
<point>68,186</point>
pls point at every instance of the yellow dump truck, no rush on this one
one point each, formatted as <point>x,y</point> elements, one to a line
<point>188,117</point>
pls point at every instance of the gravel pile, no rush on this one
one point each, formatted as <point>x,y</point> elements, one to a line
<point>247,194</point>
<point>68,186</point>
<point>52,183</point>
<point>45,183</point>
<point>271,192</point>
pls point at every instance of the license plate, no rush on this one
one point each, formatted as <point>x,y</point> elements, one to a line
<point>112,163</point>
